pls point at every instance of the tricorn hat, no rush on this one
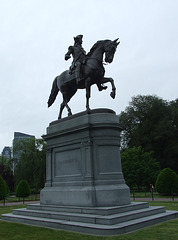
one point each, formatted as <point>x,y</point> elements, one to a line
<point>78,37</point>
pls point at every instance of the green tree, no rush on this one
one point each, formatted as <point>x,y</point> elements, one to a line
<point>7,189</point>
<point>23,190</point>
<point>139,167</point>
<point>31,165</point>
<point>167,182</point>
<point>171,150</point>
<point>3,189</point>
<point>151,122</point>
<point>6,172</point>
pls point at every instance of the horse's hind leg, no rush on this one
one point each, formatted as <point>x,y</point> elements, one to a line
<point>66,99</point>
<point>68,109</point>
<point>63,105</point>
<point>61,109</point>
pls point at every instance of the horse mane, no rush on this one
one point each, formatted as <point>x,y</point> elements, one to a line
<point>96,45</point>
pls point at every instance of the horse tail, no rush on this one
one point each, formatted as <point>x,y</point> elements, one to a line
<point>54,92</point>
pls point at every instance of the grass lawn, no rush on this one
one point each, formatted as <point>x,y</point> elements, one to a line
<point>14,231</point>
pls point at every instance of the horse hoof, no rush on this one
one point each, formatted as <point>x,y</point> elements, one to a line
<point>88,110</point>
<point>69,113</point>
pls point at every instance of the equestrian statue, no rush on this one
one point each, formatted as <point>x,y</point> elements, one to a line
<point>85,70</point>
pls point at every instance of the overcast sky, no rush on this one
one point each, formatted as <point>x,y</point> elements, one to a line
<point>35,35</point>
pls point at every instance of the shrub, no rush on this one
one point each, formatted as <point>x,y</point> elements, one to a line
<point>167,182</point>
<point>23,189</point>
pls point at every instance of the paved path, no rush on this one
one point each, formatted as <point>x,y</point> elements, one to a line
<point>18,203</point>
<point>155,199</point>
<point>136,199</point>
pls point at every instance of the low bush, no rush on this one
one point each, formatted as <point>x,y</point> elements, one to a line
<point>167,182</point>
<point>23,189</point>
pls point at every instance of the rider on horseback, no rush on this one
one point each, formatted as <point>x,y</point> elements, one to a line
<point>79,57</point>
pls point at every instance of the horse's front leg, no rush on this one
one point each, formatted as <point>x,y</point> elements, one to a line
<point>105,80</point>
<point>88,94</point>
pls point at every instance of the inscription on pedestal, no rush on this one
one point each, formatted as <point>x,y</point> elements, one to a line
<point>67,163</point>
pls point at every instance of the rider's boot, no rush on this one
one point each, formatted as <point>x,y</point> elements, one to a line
<point>77,76</point>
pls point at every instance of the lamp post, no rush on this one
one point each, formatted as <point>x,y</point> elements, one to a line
<point>152,190</point>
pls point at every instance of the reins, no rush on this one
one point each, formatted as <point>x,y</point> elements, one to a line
<point>98,60</point>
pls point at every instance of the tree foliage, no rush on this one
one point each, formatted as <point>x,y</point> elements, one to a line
<point>23,189</point>
<point>32,162</point>
<point>152,123</point>
<point>6,172</point>
<point>167,182</point>
<point>139,167</point>
<point>3,189</point>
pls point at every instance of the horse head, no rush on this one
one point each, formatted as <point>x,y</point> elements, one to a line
<point>110,50</point>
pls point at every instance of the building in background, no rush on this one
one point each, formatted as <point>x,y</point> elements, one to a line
<point>17,137</point>
<point>7,152</point>
<point>21,136</point>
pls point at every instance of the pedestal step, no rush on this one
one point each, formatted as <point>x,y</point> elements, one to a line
<point>99,221</point>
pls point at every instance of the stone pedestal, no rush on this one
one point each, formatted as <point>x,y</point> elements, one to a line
<point>83,162</point>
<point>85,190</point>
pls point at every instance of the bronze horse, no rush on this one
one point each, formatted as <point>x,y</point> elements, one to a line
<point>92,72</point>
